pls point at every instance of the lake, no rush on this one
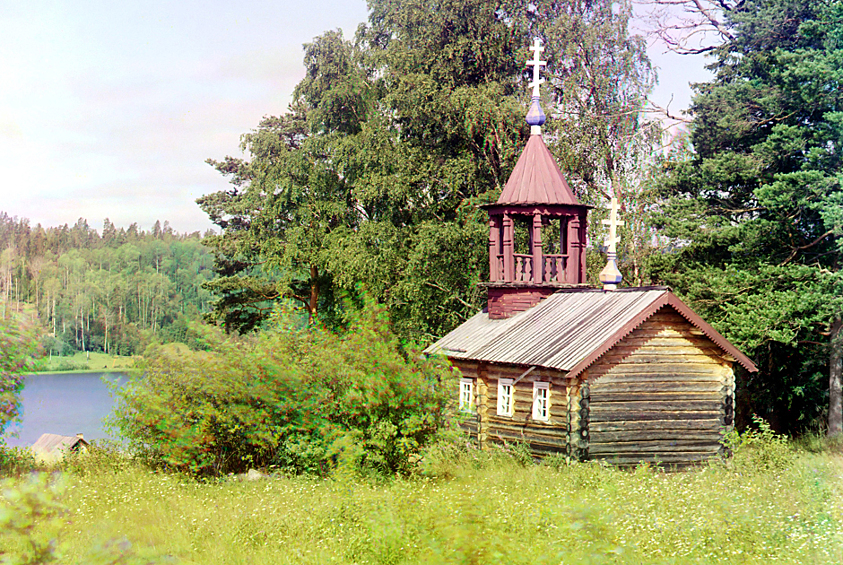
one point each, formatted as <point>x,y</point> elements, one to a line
<point>65,404</point>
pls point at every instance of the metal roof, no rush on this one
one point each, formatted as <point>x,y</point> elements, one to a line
<point>569,330</point>
<point>536,178</point>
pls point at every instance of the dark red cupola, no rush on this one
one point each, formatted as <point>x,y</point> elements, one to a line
<point>537,228</point>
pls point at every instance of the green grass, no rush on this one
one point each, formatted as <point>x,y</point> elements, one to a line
<point>479,509</point>
<point>82,362</point>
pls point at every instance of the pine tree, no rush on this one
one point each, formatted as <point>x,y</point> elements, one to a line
<point>757,212</point>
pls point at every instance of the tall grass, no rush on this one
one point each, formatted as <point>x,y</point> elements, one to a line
<point>84,362</point>
<point>462,507</point>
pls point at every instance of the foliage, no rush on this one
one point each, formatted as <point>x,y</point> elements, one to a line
<point>29,517</point>
<point>111,292</point>
<point>759,448</point>
<point>18,345</point>
<point>31,514</point>
<point>393,140</point>
<point>490,509</point>
<point>16,461</point>
<point>299,398</point>
<point>755,211</point>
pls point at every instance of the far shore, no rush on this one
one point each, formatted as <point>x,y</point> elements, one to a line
<point>85,362</point>
<point>80,371</point>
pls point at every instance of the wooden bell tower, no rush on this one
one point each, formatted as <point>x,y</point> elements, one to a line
<point>524,269</point>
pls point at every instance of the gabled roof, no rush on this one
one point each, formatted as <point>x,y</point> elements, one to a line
<point>536,178</point>
<point>54,446</point>
<point>570,329</point>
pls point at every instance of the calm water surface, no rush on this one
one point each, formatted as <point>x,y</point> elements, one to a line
<point>64,404</point>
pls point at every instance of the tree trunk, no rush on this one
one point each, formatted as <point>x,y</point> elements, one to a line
<point>314,292</point>
<point>835,395</point>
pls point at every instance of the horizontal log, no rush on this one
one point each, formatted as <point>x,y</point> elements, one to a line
<point>667,368</point>
<point>540,449</point>
<point>559,415</point>
<point>534,428</point>
<point>688,340</point>
<point>623,349</point>
<point>655,424</point>
<point>661,358</point>
<point>513,372</point>
<point>653,447</point>
<point>679,458</point>
<point>612,416</point>
<point>466,366</point>
<point>544,450</point>
<point>659,377</point>
<point>662,330</point>
<point>671,406</point>
<point>657,435</point>
<point>603,387</point>
<point>509,437</point>
<point>675,396</point>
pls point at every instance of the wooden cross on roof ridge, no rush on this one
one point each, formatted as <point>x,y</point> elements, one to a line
<point>536,63</point>
<point>614,223</point>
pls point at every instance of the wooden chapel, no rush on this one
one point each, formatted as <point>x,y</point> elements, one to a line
<point>625,375</point>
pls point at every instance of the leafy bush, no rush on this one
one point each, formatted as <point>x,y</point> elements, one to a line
<point>299,398</point>
<point>758,448</point>
<point>16,461</point>
<point>102,457</point>
<point>18,345</point>
<point>29,518</point>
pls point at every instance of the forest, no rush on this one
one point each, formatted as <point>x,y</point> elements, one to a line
<point>112,292</point>
<point>368,189</point>
<point>371,180</point>
<point>304,422</point>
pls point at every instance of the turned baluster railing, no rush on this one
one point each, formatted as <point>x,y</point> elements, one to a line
<point>523,268</point>
<point>554,268</point>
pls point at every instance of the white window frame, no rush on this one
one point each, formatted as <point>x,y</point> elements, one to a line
<point>505,401</point>
<point>466,395</point>
<point>541,401</point>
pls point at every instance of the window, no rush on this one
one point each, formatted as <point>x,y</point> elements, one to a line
<point>504,397</point>
<point>466,395</point>
<point>541,394</point>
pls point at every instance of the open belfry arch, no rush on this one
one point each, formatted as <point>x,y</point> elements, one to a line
<point>535,197</point>
<point>619,374</point>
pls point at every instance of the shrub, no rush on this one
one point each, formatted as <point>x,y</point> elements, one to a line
<point>29,518</point>
<point>18,345</point>
<point>16,461</point>
<point>102,457</point>
<point>300,398</point>
<point>758,448</point>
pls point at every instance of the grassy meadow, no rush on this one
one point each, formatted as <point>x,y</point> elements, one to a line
<point>81,362</point>
<point>462,507</point>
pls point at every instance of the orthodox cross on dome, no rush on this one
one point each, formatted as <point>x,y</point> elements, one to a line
<point>614,223</point>
<point>536,63</point>
<point>535,116</point>
<point>610,276</point>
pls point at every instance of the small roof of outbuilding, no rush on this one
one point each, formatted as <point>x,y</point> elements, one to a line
<point>54,446</point>
<point>570,329</point>
<point>536,178</point>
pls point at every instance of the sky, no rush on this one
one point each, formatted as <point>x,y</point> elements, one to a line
<point>110,109</point>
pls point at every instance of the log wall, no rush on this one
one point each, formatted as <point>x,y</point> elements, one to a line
<point>664,394</point>
<point>542,437</point>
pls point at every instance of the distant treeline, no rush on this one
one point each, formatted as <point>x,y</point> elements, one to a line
<point>109,292</point>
